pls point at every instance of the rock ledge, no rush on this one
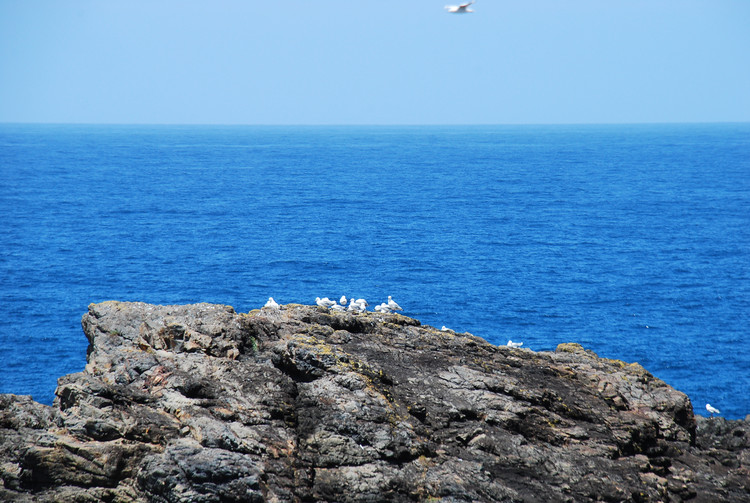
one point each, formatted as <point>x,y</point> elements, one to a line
<point>199,403</point>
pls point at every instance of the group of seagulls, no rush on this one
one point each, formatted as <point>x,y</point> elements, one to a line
<point>354,305</point>
<point>358,305</point>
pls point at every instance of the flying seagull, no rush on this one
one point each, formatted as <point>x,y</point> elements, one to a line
<point>459,9</point>
<point>712,410</point>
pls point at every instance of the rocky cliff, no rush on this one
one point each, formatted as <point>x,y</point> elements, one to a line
<point>199,403</point>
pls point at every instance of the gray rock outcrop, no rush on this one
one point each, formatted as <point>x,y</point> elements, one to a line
<point>202,404</point>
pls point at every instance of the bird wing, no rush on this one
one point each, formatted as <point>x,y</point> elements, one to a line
<point>464,7</point>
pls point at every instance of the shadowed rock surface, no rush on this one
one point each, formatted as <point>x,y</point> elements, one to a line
<point>201,404</point>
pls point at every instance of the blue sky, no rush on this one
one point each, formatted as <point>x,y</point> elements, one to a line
<point>374,61</point>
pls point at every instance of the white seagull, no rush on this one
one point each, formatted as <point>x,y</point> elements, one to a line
<point>363,302</point>
<point>343,300</point>
<point>459,9</point>
<point>712,410</point>
<point>337,307</point>
<point>392,304</point>
<point>383,308</point>
<point>356,305</point>
<point>324,302</point>
<point>271,303</point>
<point>512,344</point>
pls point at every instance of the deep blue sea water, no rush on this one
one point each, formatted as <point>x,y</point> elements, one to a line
<point>631,240</point>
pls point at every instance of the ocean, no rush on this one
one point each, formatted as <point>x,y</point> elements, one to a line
<point>632,240</point>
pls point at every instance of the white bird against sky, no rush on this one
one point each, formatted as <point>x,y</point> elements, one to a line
<point>459,9</point>
<point>712,410</point>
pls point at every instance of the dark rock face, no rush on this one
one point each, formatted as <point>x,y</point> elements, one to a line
<point>202,404</point>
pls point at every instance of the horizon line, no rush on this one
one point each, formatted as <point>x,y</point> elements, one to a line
<point>363,124</point>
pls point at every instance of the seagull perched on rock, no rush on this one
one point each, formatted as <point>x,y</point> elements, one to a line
<point>392,305</point>
<point>355,306</point>
<point>383,308</point>
<point>712,410</point>
<point>271,303</point>
<point>343,300</point>
<point>512,344</point>
<point>337,307</point>
<point>459,9</point>
<point>324,302</point>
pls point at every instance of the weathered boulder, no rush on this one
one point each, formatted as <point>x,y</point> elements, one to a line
<point>200,404</point>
